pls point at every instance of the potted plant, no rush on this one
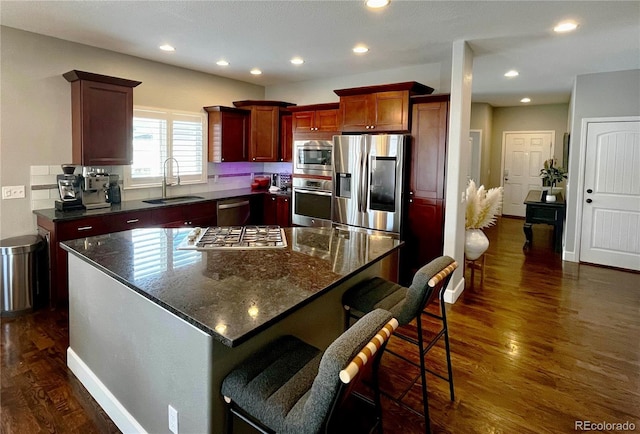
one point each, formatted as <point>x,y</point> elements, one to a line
<point>551,174</point>
<point>481,211</point>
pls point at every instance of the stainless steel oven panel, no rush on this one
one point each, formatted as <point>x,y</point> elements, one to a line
<point>313,157</point>
<point>313,184</point>
<point>311,207</point>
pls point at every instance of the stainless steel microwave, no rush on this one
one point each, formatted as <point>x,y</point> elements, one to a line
<point>313,157</point>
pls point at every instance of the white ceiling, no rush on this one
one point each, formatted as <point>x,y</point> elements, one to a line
<point>267,34</point>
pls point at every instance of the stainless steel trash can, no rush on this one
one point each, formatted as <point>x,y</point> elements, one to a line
<point>18,274</point>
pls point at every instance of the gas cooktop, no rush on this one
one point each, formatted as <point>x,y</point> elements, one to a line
<point>234,237</point>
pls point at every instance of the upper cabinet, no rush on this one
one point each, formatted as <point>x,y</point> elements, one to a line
<point>101,119</point>
<point>383,108</point>
<point>286,137</point>
<point>264,141</point>
<point>318,121</point>
<point>429,134</point>
<point>229,134</point>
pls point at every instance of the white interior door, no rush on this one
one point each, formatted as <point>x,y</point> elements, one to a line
<point>475,151</point>
<point>611,197</point>
<point>523,156</point>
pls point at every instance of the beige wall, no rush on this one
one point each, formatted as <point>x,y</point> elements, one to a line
<point>36,104</point>
<point>602,95</point>
<point>527,118</point>
<point>482,119</point>
<point>320,91</point>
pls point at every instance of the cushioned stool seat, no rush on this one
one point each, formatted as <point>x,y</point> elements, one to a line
<point>276,380</point>
<point>293,387</point>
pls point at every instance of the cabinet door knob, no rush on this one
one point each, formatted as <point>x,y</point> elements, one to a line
<point>254,158</point>
<point>410,200</point>
<point>373,126</point>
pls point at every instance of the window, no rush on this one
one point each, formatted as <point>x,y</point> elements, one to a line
<point>159,134</point>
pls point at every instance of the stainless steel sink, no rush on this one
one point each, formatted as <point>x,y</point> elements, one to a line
<point>174,199</point>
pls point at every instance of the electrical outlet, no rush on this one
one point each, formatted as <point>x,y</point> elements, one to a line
<point>13,192</point>
<point>173,420</point>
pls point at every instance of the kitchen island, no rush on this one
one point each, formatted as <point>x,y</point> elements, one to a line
<point>152,326</point>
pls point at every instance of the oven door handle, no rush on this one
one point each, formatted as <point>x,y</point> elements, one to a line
<point>316,192</point>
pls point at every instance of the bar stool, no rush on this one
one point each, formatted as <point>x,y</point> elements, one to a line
<point>405,304</point>
<point>292,387</point>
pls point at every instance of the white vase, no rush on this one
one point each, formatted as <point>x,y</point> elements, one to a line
<point>475,243</point>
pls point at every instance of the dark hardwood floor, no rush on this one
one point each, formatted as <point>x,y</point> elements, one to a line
<point>540,345</point>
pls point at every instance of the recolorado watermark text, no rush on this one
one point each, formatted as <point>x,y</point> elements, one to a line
<point>587,425</point>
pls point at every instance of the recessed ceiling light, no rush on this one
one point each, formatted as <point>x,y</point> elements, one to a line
<point>565,26</point>
<point>222,62</point>
<point>167,47</point>
<point>512,73</point>
<point>360,49</point>
<point>297,60</point>
<point>256,71</point>
<point>374,4</point>
<point>525,100</point>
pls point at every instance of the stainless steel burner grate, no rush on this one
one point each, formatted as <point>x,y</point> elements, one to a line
<point>235,237</point>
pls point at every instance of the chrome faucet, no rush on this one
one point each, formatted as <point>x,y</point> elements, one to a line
<point>164,176</point>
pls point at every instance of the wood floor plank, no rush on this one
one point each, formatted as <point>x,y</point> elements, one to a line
<point>541,344</point>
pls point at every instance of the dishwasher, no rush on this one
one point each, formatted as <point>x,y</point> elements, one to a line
<point>234,212</point>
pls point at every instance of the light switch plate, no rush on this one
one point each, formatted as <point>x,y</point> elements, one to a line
<point>13,192</point>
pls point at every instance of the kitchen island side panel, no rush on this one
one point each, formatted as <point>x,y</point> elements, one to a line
<point>145,357</point>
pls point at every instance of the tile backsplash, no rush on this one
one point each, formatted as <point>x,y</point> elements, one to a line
<point>221,176</point>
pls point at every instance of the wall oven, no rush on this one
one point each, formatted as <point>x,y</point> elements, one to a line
<point>311,201</point>
<point>313,157</point>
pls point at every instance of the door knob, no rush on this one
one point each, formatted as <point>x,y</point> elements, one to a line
<point>589,201</point>
<point>589,191</point>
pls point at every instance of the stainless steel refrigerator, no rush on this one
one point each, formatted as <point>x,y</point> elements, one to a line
<point>369,175</point>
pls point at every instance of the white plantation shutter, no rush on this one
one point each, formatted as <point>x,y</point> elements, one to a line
<point>159,134</point>
<point>188,144</point>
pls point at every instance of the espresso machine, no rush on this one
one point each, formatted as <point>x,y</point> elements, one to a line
<point>69,189</point>
<point>95,188</point>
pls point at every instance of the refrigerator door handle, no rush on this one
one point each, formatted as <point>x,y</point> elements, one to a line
<point>360,179</point>
<point>365,182</point>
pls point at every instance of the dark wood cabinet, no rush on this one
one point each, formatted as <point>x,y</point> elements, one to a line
<point>101,119</point>
<point>374,109</point>
<point>428,150</point>
<point>264,141</point>
<point>277,210</point>
<point>424,236</point>
<point>229,134</point>
<point>283,211</point>
<point>317,121</point>
<point>286,137</point>
<point>189,215</point>
<point>201,214</point>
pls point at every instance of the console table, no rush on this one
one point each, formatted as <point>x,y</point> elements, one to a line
<point>541,211</point>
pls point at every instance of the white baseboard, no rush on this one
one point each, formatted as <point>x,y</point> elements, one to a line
<point>451,295</point>
<point>116,411</point>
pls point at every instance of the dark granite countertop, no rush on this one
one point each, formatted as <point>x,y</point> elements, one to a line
<point>138,205</point>
<point>233,295</point>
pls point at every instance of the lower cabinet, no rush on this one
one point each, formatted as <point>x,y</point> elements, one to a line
<point>425,236</point>
<point>277,210</point>
<point>201,214</point>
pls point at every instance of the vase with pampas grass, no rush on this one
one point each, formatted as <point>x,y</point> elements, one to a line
<point>482,208</point>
